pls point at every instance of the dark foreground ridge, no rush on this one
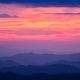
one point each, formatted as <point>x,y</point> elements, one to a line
<point>49,69</point>
<point>12,76</point>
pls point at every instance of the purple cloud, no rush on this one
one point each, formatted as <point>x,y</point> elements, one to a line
<point>8,16</point>
<point>31,32</point>
<point>64,13</point>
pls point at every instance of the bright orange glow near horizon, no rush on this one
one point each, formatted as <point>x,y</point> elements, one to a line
<point>40,23</point>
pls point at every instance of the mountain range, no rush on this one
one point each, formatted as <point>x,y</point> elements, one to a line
<point>41,59</point>
<point>27,64</point>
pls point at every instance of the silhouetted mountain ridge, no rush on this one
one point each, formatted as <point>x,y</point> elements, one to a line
<point>50,69</point>
<point>8,63</point>
<point>42,59</point>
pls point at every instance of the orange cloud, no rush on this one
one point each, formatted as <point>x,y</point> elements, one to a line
<point>40,23</point>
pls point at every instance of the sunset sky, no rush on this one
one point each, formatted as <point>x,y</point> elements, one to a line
<point>39,26</point>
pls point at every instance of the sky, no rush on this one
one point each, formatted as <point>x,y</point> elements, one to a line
<point>40,26</point>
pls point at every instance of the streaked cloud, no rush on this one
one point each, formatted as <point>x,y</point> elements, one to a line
<point>39,23</point>
<point>63,13</point>
<point>31,32</point>
<point>8,16</point>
